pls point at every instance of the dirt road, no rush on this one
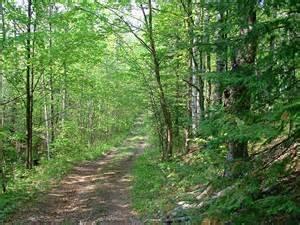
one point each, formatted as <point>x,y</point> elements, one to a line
<point>93,193</point>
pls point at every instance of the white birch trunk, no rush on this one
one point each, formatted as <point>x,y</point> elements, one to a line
<point>195,106</point>
<point>64,96</point>
<point>46,119</point>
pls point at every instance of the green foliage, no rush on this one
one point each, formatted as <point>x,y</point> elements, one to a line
<point>227,71</point>
<point>148,181</point>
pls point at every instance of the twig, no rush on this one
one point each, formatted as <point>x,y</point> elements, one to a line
<point>193,85</point>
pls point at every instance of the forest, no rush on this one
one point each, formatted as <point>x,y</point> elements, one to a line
<point>149,112</point>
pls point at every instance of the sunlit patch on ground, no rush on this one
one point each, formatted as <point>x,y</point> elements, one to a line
<point>93,193</point>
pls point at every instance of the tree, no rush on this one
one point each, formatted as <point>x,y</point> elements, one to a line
<point>237,98</point>
<point>29,86</point>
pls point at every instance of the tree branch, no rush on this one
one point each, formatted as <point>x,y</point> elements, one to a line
<point>193,85</point>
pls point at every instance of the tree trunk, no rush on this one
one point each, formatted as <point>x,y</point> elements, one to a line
<point>220,59</point>
<point>209,86</point>
<point>163,103</point>
<point>194,89</point>
<point>29,97</point>
<point>46,116</point>
<point>2,168</point>
<point>177,102</point>
<point>2,159</point>
<point>64,95</point>
<point>157,117</point>
<point>197,93</point>
<point>207,61</point>
<point>202,70</point>
<point>52,105</point>
<point>1,55</point>
<point>237,98</point>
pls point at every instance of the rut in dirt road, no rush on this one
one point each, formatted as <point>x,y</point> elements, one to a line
<point>93,193</point>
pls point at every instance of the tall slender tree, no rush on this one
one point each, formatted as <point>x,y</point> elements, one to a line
<point>29,86</point>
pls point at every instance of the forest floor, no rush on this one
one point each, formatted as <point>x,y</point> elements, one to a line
<point>96,192</point>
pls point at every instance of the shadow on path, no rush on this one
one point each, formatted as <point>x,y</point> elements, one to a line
<point>93,193</point>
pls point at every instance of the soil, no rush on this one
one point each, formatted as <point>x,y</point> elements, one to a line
<point>92,193</point>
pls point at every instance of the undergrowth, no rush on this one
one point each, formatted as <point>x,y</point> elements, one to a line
<point>158,186</point>
<point>162,188</point>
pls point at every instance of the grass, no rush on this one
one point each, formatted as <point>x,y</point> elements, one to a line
<point>147,183</point>
<point>158,186</point>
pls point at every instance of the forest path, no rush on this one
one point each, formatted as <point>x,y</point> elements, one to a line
<point>95,192</point>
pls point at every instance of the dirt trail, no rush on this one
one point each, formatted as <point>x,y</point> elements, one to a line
<point>93,193</point>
